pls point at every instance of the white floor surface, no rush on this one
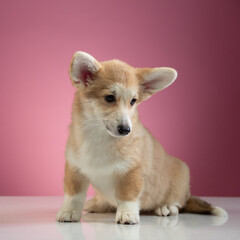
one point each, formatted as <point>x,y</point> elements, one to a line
<point>34,218</point>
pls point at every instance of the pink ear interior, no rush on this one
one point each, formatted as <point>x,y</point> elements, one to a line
<point>85,74</point>
<point>151,85</point>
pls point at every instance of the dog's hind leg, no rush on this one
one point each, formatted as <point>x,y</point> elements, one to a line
<point>98,204</point>
<point>95,206</point>
<point>178,191</point>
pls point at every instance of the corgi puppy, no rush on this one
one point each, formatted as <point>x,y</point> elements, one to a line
<point>110,148</point>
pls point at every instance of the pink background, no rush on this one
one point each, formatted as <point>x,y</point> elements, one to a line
<point>196,119</point>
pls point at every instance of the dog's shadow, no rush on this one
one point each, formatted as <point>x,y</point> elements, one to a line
<point>102,226</point>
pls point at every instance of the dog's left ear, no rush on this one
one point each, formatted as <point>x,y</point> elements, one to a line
<point>153,80</point>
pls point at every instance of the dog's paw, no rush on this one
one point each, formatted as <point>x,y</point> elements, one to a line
<point>127,217</point>
<point>171,210</point>
<point>68,216</point>
<point>127,212</point>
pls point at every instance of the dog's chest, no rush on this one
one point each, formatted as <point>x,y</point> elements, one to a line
<point>100,161</point>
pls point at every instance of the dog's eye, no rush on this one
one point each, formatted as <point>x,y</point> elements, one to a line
<point>110,98</point>
<point>133,101</point>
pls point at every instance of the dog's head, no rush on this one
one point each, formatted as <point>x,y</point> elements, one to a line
<point>110,91</point>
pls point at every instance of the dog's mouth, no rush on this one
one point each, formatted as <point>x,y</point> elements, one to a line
<point>113,131</point>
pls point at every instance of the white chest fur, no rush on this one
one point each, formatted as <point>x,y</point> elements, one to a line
<point>99,160</point>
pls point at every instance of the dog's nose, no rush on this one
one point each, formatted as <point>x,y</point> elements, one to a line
<point>123,130</point>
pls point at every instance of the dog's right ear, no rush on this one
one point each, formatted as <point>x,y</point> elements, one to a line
<point>82,69</point>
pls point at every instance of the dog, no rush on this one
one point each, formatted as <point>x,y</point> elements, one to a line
<point>110,148</point>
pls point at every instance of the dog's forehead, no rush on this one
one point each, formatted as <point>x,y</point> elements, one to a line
<point>123,79</point>
<point>119,72</point>
<point>120,90</point>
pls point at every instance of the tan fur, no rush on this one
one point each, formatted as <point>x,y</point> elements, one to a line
<point>151,176</point>
<point>74,181</point>
<point>129,186</point>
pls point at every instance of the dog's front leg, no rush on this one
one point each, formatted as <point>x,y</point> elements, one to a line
<point>129,188</point>
<point>75,188</point>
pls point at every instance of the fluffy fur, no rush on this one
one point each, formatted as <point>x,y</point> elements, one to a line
<point>132,172</point>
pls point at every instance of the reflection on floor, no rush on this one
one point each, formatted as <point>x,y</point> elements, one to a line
<point>34,218</point>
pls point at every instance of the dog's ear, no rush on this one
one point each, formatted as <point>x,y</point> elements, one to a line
<point>82,69</point>
<point>153,80</point>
